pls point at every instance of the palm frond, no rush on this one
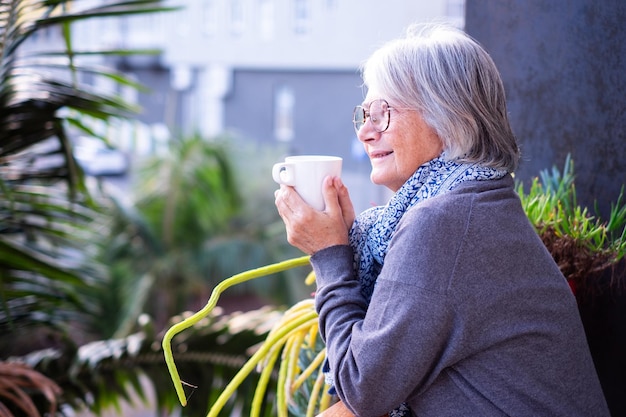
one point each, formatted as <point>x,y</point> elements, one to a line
<point>24,391</point>
<point>100,374</point>
<point>50,226</point>
<point>46,253</point>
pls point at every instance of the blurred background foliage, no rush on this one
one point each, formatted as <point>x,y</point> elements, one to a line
<point>80,263</point>
<point>191,220</point>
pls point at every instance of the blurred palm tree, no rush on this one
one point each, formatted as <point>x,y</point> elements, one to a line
<point>62,284</point>
<point>48,219</point>
<point>49,222</point>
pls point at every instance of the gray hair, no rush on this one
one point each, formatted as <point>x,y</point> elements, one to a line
<point>452,81</point>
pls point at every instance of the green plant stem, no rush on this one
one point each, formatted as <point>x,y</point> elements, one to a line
<point>281,398</point>
<point>195,318</point>
<point>261,387</point>
<point>289,327</point>
<point>315,364</point>
<point>317,387</point>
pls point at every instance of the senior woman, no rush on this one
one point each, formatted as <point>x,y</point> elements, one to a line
<point>444,302</point>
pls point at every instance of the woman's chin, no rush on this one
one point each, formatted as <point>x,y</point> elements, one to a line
<point>377,178</point>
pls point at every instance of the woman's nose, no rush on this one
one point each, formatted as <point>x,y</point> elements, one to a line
<point>367,132</point>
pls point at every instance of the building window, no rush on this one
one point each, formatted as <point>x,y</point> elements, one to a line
<point>237,17</point>
<point>209,18</point>
<point>266,19</point>
<point>284,103</point>
<point>302,16</point>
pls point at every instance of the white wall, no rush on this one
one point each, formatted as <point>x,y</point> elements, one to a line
<point>263,33</point>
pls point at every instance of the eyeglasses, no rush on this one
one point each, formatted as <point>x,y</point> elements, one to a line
<point>378,113</point>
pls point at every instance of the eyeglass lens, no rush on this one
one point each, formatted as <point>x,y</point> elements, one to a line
<point>378,114</point>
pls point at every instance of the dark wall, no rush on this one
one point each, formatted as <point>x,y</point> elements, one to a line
<point>563,63</point>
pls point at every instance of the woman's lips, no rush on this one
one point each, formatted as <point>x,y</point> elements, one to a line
<point>379,154</point>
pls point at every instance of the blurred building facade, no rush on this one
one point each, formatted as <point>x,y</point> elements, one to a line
<point>268,71</point>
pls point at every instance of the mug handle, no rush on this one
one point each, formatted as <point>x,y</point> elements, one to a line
<point>283,173</point>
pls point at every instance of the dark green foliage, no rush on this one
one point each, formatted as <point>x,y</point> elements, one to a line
<point>100,374</point>
<point>48,221</point>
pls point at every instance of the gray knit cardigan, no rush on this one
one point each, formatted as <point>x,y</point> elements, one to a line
<point>470,316</point>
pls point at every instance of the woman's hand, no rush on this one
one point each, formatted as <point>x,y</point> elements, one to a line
<point>310,230</point>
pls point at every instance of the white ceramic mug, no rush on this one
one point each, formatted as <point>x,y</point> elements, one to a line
<point>306,174</point>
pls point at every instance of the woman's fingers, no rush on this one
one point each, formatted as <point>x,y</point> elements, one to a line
<point>345,203</point>
<point>308,229</point>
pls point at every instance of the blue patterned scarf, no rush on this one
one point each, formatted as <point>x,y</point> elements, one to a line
<point>373,229</point>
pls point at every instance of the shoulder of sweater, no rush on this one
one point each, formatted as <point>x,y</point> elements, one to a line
<point>491,190</point>
<point>451,210</point>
